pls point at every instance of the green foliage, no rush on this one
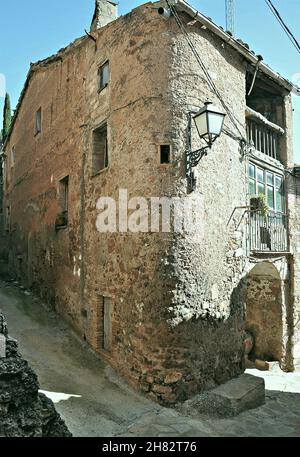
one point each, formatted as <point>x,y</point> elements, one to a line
<point>264,207</point>
<point>259,203</point>
<point>7,117</point>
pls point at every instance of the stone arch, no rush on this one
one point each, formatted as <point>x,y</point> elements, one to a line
<point>264,314</point>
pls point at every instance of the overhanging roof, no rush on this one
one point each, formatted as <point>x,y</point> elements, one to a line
<point>181,6</point>
<point>238,45</point>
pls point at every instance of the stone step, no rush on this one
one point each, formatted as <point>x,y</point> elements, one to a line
<point>274,367</point>
<point>230,399</point>
<point>262,365</point>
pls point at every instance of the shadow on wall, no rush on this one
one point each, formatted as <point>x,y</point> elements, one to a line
<point>4,273</point>
<point>264,317</point>
<point>213,348</point>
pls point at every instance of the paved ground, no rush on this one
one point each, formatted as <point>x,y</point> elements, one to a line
<point>95,402</point>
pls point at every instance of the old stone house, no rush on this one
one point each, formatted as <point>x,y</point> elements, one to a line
<point>112,112</point>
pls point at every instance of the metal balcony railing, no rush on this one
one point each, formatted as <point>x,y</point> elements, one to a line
<point>264,139</point>
<point>268,233</point>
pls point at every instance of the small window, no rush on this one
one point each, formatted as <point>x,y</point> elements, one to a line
<point>100,149</point>
<point>103,73</point>
<point>165,153</point>
<point>84,313</point>
<point>64,194</point>
<point>62,217</point>
<point>38,121</point>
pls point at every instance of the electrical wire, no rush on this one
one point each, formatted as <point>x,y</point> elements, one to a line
<point>211,83</point>
<point>255,74</point>
<point>283,25</point>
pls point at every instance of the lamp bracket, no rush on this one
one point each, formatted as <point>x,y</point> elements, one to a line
<point>194,157</point>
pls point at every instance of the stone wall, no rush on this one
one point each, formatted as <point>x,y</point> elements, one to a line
<point>264,316</point>
<point>294,202</point>
<point>24,412</point>
<point>3,240</point>
<point>178,309</point>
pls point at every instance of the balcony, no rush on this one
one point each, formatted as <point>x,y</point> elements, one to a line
<point>263,134</point>
<point>268,233</point>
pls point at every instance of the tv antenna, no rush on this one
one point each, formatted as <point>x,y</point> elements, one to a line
<point>230,16</point>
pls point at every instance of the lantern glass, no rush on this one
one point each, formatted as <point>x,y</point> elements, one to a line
<point>215,122</point>
<point>201,122</point>
<point>209,122</point>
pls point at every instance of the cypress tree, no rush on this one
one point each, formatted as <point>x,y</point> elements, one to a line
<point>6,117</point>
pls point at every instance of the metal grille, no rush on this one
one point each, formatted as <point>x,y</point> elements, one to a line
<point>268,232</point>
<point>264,139</point>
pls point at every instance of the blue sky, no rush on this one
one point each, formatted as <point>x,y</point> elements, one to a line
<point>34,29</point>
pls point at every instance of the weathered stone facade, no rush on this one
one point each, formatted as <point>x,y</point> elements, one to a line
<point>264,311</point>
<point>294,198</point>
<point>24,412</point>
<point>177,301</point>
<point>3,241</point>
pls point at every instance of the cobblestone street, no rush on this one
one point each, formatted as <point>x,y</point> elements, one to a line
<point>94,401</point>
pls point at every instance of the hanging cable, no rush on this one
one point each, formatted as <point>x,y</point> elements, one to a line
<point>205,71</point>
<point>283,25</point>
<point>255,74</point>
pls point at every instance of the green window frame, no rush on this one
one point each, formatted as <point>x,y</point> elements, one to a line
<point>271,184</point>
<point>104,74</point>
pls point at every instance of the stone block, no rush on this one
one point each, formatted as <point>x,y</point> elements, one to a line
<point>229,399</point>
<point>173,377</point>
<point>2,346</point>
<point>144,386</point>
<point>261,365</point>
<point>169,398</point>
<point>162,389</point>
<point>274,367</point>
<point>150,379</point>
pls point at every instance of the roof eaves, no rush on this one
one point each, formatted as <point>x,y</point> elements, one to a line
<point>35,67</point>
<point>238,45</point>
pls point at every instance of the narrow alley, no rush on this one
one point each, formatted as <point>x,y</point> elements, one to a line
<point>94,401</point>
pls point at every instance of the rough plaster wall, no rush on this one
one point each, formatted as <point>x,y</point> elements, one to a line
<point>294,205</point>
<point>44,258</point>
<point>207,308</point>
<point>72,267</point>
<point>185,333</point>
<point>264,316</point>
<point>3,240</point>
<point>287,150</point>
<point>130,267</point>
